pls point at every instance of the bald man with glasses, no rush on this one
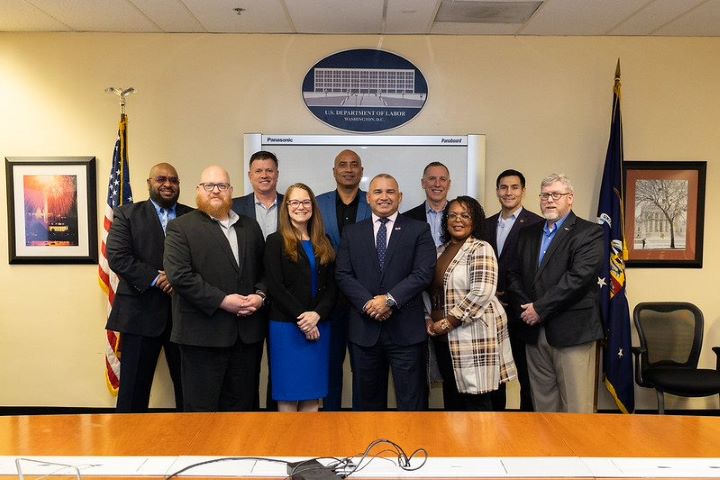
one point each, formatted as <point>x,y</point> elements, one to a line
<point>213,259</point>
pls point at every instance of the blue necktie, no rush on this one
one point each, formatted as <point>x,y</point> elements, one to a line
<point>381,241</point>
<point>163,218</point>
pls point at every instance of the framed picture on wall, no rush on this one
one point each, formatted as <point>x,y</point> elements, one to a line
<point>51,206</point>
<point>664,213</point>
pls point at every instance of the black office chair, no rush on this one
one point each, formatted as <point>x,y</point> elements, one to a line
<point>671,335</point>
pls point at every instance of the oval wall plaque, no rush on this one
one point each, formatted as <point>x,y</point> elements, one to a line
<point>364,90</point>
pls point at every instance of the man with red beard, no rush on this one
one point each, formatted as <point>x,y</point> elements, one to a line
<point>213,259</point>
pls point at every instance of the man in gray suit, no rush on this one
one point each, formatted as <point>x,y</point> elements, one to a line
<point>213,259</point>
<point>263,202</point>
<point>554,284</point>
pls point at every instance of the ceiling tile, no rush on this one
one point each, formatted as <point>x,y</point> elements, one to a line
<point>573,17</point>
<point>445,28</point>
<point>410,16</point>
<point>19,16</point>
<point>98,15</point>
<point>336,16</point>
<point>260,16</point>
<point>653,16</point>
<point>702,21</point>
<point>169,15</point>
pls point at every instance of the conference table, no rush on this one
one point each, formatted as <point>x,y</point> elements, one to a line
<point>442,434</point>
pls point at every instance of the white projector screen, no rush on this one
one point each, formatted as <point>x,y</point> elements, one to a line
<point>309,159</point>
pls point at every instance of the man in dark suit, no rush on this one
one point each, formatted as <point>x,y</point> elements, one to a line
<point>262,203</point>
<point>345,205</point>
<point>213,259</point>
<point>383,265</point>
<point>436,183</point>
<point>501,231</point>
<point>554,283</point>
<point>141,310</point>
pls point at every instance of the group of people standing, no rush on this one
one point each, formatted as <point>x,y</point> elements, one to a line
<point>513,295</point>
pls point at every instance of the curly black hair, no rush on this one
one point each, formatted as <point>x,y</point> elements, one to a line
<point>477,214</point>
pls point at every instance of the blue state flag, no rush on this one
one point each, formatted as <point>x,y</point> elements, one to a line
<point>617,356</point>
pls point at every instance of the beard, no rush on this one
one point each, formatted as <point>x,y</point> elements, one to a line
<point>214,210</point>
<point>551,215</point>
<point>162,201</point>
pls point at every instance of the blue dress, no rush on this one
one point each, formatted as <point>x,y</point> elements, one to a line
<point>298,366</point>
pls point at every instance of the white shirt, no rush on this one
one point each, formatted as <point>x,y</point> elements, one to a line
<point>504,225</point>
<point>227,228</point>
<point>388,225</point>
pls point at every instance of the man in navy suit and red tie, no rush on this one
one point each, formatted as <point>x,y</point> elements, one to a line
<point>383,266</point>
<point>501,231</point>
<point>142,310</point>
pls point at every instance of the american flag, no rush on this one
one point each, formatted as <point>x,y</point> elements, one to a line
<point>119,193</point>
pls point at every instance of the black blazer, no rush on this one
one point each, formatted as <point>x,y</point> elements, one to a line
<point>289,283</point>
<point>409,268</point>
<point>245,205</point>
<point>563,289</point>
<point>135,253</point>
<point>525,219</point>
<point>202,270</point>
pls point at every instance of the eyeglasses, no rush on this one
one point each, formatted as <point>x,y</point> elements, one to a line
<point>162,179</point>
<point>209,187</point>
<point>297,203</point>
<point>465,217</point>
<point>555,196</point>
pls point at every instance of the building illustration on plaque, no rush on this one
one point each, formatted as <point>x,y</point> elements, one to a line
<point>364,90</point>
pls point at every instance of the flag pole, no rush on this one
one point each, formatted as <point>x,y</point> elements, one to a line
<point>123,93</point>
<point>119,193</point>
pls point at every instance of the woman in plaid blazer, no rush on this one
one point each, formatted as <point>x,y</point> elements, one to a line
<point>467,323</point>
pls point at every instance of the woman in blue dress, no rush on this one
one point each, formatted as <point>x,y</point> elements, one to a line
<point>300,271</point>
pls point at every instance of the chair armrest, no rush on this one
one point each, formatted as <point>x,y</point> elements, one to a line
<point>639,353</point>
<point>717,360</point>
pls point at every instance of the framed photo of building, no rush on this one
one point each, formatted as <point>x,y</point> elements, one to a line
<point>664,213</point>
<point>51,204</point>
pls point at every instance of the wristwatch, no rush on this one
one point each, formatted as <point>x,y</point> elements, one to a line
<point>262,295</point>
<point>390,301</point>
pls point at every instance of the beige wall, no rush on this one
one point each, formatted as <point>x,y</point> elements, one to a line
<point>544,104</point>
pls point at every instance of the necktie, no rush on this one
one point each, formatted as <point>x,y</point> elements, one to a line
<point>381,241</point>
<point>163,218</point>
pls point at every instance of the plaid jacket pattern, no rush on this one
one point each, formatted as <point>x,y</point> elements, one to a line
<point>480,346</point>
